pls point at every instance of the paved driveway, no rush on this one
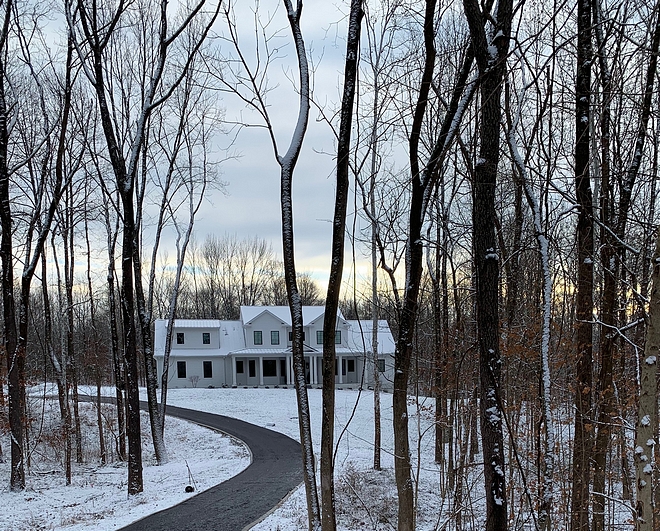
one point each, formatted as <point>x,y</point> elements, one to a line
<point>240,501</point>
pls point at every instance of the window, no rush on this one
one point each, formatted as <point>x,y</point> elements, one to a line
<point>291,336</point>
<point>239,367</point>
<point>343,367</point>
<point>381,365</point>
<point>252,368</point>
<point>270,368</point>
<point>351,365</point>
<point>206,339</point>
<point>180,369</point>
<point>319,337</point>
<point>258,339</point>
<point>180,338</point>
<point>208,369</point>
<point>274,337</point>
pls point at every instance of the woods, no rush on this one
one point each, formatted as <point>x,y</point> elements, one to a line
<point>495,169</point>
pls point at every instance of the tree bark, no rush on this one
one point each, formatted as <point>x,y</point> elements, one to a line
<point>328,518</point>
<point>491,62</point>
<point>582,442</point>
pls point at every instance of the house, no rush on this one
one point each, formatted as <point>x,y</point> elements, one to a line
<point>256,351</point>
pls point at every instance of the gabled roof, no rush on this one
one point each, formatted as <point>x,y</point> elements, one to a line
<point>359,337</point>
<point>310,313</point>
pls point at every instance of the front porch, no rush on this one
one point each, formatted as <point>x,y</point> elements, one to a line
<point>267,369</point>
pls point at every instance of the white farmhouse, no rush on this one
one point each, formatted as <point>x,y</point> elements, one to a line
<point>256,351</point>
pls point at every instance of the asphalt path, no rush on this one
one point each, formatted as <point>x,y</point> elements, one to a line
<point>242,500</point>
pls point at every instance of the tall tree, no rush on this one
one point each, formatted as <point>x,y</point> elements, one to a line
<point>582,442</point>
<point>44,136</point>
<point>100,27</point>
<point>491,58</point>
<point>251,86</point>
<point>336,267</point>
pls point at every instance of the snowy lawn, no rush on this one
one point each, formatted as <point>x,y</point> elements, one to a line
<point>97,499</point>
<point>365,499</point>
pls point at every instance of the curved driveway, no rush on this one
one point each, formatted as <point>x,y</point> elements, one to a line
<point>243,499</point>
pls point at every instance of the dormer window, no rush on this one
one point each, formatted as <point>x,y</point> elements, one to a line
<point>258,339</point>
<point>180,338</point>
<point>337,337</point>
<point>291,336</point>
<point>275,337</point>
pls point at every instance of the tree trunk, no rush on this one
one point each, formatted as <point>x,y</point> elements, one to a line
<point>582,442</point>
<point>15,362</point>
<point>117,358</point>
<point>647,421</point>
<point>287,164</point>
<point>491,61</point>
<point>328,519</point>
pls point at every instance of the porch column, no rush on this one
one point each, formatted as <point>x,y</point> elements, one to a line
<point>233,371</point>
<point>289,360</point>
<point>313,369</point>
<point>261,370</point>
<point>339,370</point>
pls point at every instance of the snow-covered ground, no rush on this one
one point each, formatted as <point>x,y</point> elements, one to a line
<point>368,498</point>
<point>97,499</point>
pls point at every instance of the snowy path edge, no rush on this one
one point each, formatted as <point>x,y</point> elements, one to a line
<point>242,501</point>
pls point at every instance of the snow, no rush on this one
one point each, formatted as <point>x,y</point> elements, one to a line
<point>651,360</point>
<point>646,420</point>
<point>97,499</point>
<point>354,457</point>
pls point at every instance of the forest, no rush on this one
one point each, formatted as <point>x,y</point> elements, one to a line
<point>495,164</point>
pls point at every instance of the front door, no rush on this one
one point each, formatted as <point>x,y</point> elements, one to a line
<point>283,372</point>
<point>252,378</point>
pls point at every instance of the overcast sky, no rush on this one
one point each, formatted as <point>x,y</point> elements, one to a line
<point>250,205</point>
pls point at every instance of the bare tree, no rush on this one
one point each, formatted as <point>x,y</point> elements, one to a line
<point>251,87</point>
<point>97,32</point>
<point>336,267</point>
<point>35,159</point>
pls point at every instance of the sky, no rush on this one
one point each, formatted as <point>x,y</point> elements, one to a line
<point>250,204</point>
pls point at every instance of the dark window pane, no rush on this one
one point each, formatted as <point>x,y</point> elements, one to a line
<point>208,369</point>
<point>381,365</point>
<point>180,369</point>
<point>274,337</point>
<point>270,367</point>
<point>338,337</point>
<point>206,338</point>
<point>319,337</point>
<point>258,340</point>
<point>180,338</point>
<point>252,368</point>
<point>351,365</point>
<point>239,366</point>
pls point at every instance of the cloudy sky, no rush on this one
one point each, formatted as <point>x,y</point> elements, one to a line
<point>250,205</point>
